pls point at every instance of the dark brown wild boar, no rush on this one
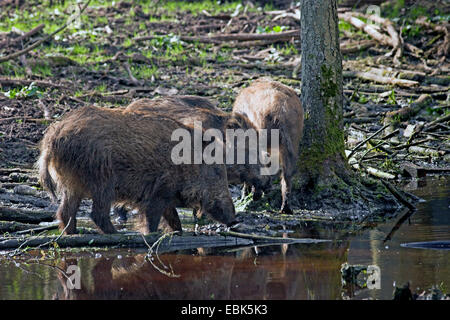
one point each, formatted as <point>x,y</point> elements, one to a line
<point>115,157</point>
<point>188,109</point>
<point>271,105</point>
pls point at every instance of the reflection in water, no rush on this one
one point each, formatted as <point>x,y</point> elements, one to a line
<point>271,272</point>
<point>298,274</point>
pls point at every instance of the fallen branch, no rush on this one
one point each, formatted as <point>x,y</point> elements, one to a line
<point>14,226</point>
<point>25,215</point>
<point>396,40</point>
<point>28,34</point>
<point>445,29</point>
<point>406,112</point>
<point>379,173</point>
<point>345,48</point>
<point>369,29</point>
<point>32,230</point>
<point>359,145</point>
<point>286,35</point>
<point>380,79</point>
<point>398,195</point>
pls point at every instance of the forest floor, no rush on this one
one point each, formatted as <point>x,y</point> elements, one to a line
<point>396,79</point>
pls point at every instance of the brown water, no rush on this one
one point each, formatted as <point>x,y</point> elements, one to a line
<point>271,272</point>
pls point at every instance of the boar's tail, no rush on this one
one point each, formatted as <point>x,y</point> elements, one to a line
<point>44,175</point>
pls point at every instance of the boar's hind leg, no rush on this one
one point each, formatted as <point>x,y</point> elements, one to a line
<point>285,193</point>
<point>153,212</point>
<point>101,205</point>
<point>67,212</point>
<point>170,217</point>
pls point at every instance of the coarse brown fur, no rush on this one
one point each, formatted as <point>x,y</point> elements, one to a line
<point>188,109</point>
<point>115,157</point>
<point>271,105</point>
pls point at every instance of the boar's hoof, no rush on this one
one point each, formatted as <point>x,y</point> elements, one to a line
<point>232,223</point>
<point>286,210</point>
<point>257,194</point>
<point>122,213</point>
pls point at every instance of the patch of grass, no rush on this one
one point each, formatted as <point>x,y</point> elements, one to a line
<point>101,88</point>
<point>288,50</point>
<point>212,6</point>
<point>144,72</point>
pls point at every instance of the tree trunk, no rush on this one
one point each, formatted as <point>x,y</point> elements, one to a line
<point>324,180</point>
<point>323,138</point>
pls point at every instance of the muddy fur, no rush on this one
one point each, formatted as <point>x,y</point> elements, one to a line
<point>271,105</point>
<point>124,158</point>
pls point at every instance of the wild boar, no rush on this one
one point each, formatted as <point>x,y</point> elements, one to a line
<point>125,158</point>
<point>188,109</point>
<point>271,105</point>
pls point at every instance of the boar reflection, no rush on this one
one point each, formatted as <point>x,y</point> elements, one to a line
<point>275,272</point>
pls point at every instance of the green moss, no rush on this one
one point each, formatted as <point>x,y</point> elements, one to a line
<point>332,142</point>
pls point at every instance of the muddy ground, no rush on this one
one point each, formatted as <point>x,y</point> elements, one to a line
<point>105,59</point>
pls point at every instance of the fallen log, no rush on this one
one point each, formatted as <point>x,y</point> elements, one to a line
<point>380,79</point>
<point>416,171</point>
<point>13,226</point>
<point>25,215</point>
<point>219,38</point>
<point>406,112</point>
<point>367,28</point>
<point>176,242</point>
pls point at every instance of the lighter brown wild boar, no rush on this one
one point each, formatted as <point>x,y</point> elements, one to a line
<point>271,105</point>
<point>114,157</point>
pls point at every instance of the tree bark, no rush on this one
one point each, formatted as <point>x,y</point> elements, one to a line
<point>322,94</point>
<point>324,179</point>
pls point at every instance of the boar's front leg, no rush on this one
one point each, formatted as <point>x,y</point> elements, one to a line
<point>122,212</point>
<point>152,212</point>
<point>285,194</point>
<point>170,216</point>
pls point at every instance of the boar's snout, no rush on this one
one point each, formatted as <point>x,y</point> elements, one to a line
<point>223,211</point>
<point>261,185</point>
